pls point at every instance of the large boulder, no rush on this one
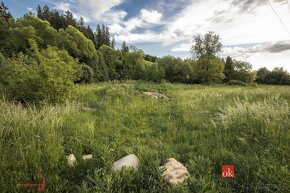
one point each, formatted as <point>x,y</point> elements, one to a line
<point>87,157</point>
<point>130,161</point>
<point>174,172</point>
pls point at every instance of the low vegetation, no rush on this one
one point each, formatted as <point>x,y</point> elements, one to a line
<point>203,127</point>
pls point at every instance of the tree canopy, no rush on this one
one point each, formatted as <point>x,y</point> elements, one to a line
<point>206,46</point>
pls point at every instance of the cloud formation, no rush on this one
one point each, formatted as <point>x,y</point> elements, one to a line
<point>251,5</point>
<point>95,9</point>
<point>150,16</point>
<point>62,6</point>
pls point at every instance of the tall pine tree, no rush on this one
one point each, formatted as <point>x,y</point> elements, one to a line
<point>113,43</point>
<point>107,37</point>
<point>124,47</point>
<point>99,38</point>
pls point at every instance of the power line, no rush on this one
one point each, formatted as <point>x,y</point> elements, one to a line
<point>279,17</point>
<point>288,3</point>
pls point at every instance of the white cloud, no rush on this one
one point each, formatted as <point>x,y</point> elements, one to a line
<point>270,60</point>
<point>184,47</point>
<point>113,17</point>
<point>116,28</point>
<point>146,18</point>
<point>269,54</point>
<point>254,23</point>
<point>235,27</point>
<point>94,8</point>
<point>63,6</point>
<point>150,16</point>
<point>31,10</point>
<point>78,16</point>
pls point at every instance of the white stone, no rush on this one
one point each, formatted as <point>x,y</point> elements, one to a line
<point>87,157</point>
<point>71,160</point>
<point>129,161</point>
<point>174,172</point>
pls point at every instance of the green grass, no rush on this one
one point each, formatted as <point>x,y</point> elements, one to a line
<point>201,126</point>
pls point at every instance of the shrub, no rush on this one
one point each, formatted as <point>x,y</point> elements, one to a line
<point>209,70</point>
<point>86,74</point>
<point>48,75</point>
<point>154,72</point>
<point>239,70</point>
<point>175,69</point>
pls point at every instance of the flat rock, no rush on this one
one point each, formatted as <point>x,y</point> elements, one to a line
<point>87,157</point>
<point>156,95</point>
<point>129,161</point>
<point>89,109</point>
<point>174,172</point>
<point>71,160</point>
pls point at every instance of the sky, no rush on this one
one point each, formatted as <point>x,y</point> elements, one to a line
<point>250,30</point>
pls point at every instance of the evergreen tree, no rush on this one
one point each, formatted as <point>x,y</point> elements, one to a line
<point>6,22</point>
<point>107,37</point>
<point>39,12</point>
<point>81,23</point>
<point>103,34</point>
<point>90,34</point>
<point>228,68</point>
<point>45,13</point>
<point>70,20</point>
<point>113,43</point>
<point>124,47</point>
<point>5,15</point>
<point>98,37</point>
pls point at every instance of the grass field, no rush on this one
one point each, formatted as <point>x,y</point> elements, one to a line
<point>203,127</point>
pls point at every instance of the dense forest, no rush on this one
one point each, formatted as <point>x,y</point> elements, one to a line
<point>42,56</point>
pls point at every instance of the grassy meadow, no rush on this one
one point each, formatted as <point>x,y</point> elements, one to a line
<point>203,127</point>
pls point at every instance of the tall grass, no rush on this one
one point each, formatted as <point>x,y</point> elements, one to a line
<point>257,133</point>
<point>203,127</point>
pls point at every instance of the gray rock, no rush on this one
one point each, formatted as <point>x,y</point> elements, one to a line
<point>87,157</point>
<point>174,172</point>
<point>130,161</point>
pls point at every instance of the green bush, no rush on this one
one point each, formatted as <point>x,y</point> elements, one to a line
<point>154,72</point>
<point>48,75</point>
<point>175,69</point>
<point>86,74</point>
<point>209,70</point>
<point>239,70</point>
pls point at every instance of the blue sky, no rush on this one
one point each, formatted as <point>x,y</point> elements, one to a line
<point>249,29</point>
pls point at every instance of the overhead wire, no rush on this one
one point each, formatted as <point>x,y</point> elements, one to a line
<point>288,3</point>
<point>279,17</point>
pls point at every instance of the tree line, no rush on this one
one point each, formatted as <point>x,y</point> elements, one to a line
<point>43,56</point>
